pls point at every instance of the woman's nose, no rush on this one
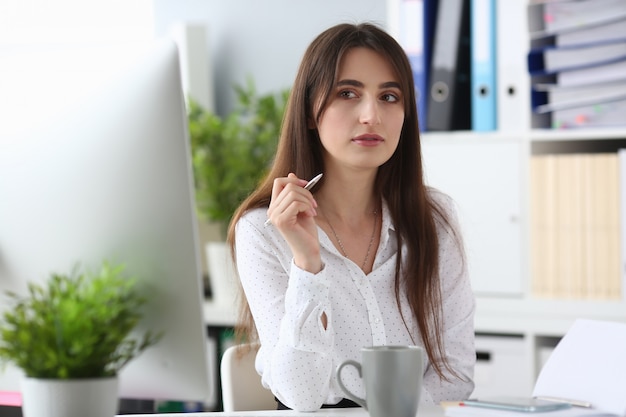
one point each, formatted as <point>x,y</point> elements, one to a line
<point>369,112</point>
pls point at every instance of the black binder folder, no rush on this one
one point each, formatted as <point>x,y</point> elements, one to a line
<point>449,103</point>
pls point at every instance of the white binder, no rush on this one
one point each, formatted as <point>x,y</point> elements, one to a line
<point>513,84</point>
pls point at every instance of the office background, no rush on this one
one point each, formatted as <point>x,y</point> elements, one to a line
<point>264,39</point>
<point>261,39</point>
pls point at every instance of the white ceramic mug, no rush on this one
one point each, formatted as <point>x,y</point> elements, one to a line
<point>392,376</point>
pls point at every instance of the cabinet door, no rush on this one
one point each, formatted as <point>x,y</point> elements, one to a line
<point>483,176</point>
<point>502,367</point>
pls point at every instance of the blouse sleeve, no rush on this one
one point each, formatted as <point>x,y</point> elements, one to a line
<point>287,303</point>
<point>458,307</point>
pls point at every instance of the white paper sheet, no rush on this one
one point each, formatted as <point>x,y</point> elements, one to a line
<point>588,364</point>
<point>468,411</point>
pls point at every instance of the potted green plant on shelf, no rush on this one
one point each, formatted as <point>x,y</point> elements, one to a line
<point>230,156</point>
<point>71,337</point>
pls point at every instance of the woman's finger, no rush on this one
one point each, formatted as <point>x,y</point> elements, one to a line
<point>286,189</point>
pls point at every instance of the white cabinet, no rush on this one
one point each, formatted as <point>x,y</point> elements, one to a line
<point>484,175</point>
<point>502,366</point>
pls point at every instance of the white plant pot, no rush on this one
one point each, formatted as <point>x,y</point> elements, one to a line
<point>97,397</point>
<point>222,276</point>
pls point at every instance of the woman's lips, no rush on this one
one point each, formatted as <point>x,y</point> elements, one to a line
<point>368,140</point>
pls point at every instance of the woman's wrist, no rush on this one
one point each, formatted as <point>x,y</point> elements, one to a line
<point>312,264</point>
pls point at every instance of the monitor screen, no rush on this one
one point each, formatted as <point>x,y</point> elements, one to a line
<point>95,165</point>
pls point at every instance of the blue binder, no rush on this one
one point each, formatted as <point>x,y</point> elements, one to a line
<point>483,65</point>
<point>417,22</point>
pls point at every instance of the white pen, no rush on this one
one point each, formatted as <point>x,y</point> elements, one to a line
<point>575,403</point>
<point>308,186</point>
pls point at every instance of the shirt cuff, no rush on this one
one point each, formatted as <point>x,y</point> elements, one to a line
<point>306,300</point>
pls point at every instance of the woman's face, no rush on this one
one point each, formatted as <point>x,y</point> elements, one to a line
<point>360,127</point>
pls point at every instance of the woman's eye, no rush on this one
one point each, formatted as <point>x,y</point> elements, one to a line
<point>391,98</point>
<point>347,94</point>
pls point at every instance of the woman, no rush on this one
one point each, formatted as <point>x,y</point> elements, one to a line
<point>370,255</point>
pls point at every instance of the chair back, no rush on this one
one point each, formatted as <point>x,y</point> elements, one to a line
<point>241,384</point>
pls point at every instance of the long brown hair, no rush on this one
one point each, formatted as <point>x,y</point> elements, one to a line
<point>400,180</point>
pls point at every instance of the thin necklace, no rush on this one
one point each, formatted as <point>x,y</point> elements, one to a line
<point>369,247</point>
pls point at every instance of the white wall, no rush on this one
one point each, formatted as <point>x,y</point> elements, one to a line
<point>74,21</point>
<point>264,39</point>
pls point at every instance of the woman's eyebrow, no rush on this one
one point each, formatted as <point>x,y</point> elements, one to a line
<point>356,83</point>
<point>353,83</point>
<point>390,84</point>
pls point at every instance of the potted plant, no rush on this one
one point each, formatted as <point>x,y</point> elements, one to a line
<point>70,336</point>
<point>230,156</point>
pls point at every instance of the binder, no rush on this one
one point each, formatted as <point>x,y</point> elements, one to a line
<point>613,72</point>
<point>601,114</point>
<point>416,25</point>
<point>549,17</point>
<point>621,156</point>
<point>614,271</point>
<point>546,100</point>
<point>596,105</point>
<point>449,103</point>
<point>551,59</point>
<point>410,14</point>
<point>483,65</point>
<point>513,82</point>
<point>543,219</point>
<point>431,8</point>
<point>605,283</point>
<point>606,32</point>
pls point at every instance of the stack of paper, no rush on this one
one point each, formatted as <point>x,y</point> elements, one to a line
<point>577,63</point>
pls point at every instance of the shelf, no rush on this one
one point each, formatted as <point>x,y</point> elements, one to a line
<point>219,314</point>
<point>576,134</point>
<point>534,135</point>
<point>541,317</point>
<point>497,315</point>
<point>465,136</point>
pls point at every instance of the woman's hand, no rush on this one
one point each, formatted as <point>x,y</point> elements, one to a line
<point>292,211</point>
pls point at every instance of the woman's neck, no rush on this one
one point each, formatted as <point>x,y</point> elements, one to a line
<point>348,199</point>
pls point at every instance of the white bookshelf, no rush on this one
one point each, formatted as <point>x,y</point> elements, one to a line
<point>455,159</point>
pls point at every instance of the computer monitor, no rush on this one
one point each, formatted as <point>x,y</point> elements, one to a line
<point>94,165</point>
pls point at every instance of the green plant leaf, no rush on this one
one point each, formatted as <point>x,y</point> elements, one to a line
<point>231,155</point>
<point>75,325</point>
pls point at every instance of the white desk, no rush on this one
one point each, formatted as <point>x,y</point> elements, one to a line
<point>424,411</point>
